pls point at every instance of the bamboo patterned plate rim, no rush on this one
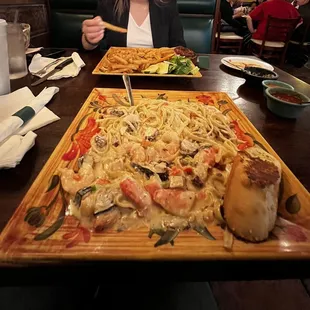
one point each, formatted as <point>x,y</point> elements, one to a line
<point>59,237</point>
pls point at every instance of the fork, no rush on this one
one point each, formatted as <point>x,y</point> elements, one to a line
<point>127,83</point>
<point>43,70</point>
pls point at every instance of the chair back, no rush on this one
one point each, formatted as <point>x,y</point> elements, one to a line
<point>279,30</point>
<point>218,31</point>
<point>198,20</point>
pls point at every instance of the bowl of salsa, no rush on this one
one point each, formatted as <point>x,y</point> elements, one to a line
<point>273,83</point>
<point>286,102</point>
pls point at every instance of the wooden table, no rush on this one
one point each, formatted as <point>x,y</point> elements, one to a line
<point>289,138</point>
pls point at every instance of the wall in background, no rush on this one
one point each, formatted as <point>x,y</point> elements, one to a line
<point>33,12</point>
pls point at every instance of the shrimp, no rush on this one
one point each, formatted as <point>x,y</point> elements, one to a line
<point>114,165</point>
<point>151,155</point>
<point>138,154</point>
<point>168,147</point>
<point>72,182</point>
<point>207,156</point>
<point>176,202</point>
<point>136,151</point>
<point>136,193</point>
<point>172,141</point>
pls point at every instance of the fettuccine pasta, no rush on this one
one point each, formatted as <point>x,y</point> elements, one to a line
<point>160,164</point>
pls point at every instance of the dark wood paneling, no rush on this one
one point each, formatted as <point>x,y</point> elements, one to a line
<point>20,2</point>
<point>33,12</point>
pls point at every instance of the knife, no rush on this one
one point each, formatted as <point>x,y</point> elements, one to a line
<point>56,69</point>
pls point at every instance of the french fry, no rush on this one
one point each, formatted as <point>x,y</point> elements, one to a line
<point>128,60</point>
<point>133,67</point>
<point>139,62</point>
<point>121,71</point>
<point>114,28</point>
<point>121,60</point>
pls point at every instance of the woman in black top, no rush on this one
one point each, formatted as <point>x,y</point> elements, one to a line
<point>165,25</point>
<point>233,22</point>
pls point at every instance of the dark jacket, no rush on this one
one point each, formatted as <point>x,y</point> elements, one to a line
<point>299,33</point>
<point>227,13</point>
<point>167,30</point>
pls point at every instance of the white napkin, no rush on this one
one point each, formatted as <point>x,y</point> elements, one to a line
<point>14,148</point>
<point>31,50</point>
<point>11,103</point>
<point>38,62</point>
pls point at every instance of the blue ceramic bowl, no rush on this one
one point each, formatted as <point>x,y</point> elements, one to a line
<point>265,84</point>
<point>283,108</point>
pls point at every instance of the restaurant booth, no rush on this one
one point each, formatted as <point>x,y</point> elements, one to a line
<point>197,19</point>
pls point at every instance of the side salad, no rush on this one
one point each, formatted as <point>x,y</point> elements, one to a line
<point>179,65</point>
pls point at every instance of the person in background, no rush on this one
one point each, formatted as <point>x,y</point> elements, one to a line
<point>231,22</point>
<point>253,6</point>
<point>237,7</point>
<point>258,2</point>
<point>303,7</point>
<point>274,8</point>
<point>149,23</point>
<point>297,55</point>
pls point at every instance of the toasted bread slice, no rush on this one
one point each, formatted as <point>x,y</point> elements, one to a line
<point>251,198</point>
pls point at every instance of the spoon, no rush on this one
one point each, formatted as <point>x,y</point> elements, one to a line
<point>127,83</point>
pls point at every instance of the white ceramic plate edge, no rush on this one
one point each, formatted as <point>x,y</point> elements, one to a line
<point>244,59</point>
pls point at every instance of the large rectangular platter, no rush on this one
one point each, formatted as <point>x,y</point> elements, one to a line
<point>59,237</point>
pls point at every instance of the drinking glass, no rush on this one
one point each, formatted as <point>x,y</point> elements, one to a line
<point>16,49</point>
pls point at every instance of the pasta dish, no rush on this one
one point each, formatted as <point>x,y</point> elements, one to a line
<point>160,164</point>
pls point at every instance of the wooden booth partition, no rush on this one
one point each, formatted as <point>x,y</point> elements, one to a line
<point>33,12</point>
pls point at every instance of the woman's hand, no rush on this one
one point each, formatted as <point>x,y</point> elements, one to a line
<point>93,32</point>
<point>238,14</point>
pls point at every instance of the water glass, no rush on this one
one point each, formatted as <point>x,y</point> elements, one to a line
<point>16,48</point>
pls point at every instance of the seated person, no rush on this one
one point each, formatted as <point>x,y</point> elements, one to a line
<point>231,19</point>
<point>274,8</point>
<point>149,23</point>
<point>303,7</point>
<point>238,7</point>
<point>258,2</point>
<point>252,6</point>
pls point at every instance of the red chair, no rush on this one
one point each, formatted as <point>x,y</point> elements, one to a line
<point>275,46</point>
